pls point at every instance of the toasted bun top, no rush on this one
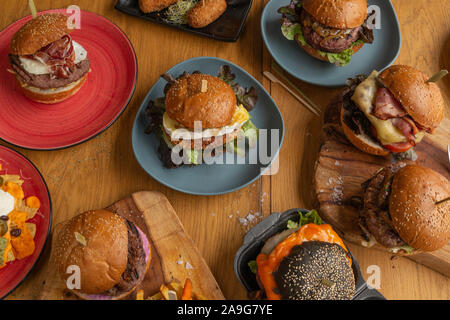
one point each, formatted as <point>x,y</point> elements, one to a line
<point>39,32</point>
<point>339,14</point>
<point>423,101</point>
<point>417,219</point>
<point>315,270</point>
<point>102,258</point>
<point>186,103</point>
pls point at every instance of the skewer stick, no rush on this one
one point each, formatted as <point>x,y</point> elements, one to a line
<point>442,201</point>
<point>32,8</point>
<point>438,76</point>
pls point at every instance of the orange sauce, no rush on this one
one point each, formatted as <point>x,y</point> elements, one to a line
<point>268,264</point>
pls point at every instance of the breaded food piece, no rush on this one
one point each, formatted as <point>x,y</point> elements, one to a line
<point>206,12</point>
<point>148,6</point>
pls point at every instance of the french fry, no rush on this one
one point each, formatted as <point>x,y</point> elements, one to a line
<point>165,292</point>
<point>156,296</point>
<point>140,295</point>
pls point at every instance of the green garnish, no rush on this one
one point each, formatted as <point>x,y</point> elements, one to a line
<point>305,218</point>
<point>253,266</point>
<point>177,12</point>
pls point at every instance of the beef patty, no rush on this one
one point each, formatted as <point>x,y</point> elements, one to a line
<point>136,264</point>
<point>44,81</point>
<point>333,45</point>
<point>375,215</point>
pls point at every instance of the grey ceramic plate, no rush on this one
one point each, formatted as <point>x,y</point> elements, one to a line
<point>376,56</point>
<point>206,179</point>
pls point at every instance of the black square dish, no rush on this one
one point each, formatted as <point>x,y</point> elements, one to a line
<point>227,28</point>
<point>254,241</point>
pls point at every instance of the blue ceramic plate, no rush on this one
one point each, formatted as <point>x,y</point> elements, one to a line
<point>288,54</point>
<point>206,179</point>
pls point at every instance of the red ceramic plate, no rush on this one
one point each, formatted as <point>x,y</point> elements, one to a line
<point>13,162</point>
<point>104,96</point>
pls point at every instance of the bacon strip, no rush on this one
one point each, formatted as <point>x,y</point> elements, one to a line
<point>386,106</point>
<point>59,56</point>
<point>407,127</point>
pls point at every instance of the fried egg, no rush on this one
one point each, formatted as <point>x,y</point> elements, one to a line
<point>176,131</point>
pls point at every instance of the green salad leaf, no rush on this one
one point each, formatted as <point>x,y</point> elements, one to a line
<point>406,248</point>
<point>305,218</point>
<point>253,266</point>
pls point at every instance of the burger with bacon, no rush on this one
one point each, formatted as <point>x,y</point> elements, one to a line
<point>329,30</point>
<point>391,111</point>
<point>49,66</point>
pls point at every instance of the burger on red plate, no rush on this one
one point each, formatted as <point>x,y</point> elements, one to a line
<point>49,66</point>
<point>391,111</point>
<point>112,253</point>
<point>405,209</point>
<point>328,30</point>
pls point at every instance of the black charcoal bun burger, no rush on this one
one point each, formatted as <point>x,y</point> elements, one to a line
<point>113,254</point>
<point>403,210</point>
<point>390,112</point>
<point>48,65</point>
<point>316,270</point>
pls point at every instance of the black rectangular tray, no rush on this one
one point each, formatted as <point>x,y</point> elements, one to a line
<point>227,28</point>
<point>254,241</point>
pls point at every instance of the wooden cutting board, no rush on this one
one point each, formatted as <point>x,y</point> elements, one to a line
<point>171,248</point>
<point>341,169</point>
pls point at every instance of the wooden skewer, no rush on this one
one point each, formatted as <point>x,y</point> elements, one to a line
<point>280,73</point>
<point>32,8</point>
<point>438,76</point>
<point>274,79</point>
<point>442,201</point>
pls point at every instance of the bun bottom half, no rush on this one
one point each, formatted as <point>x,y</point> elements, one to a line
<point>361,141</point>
<point>51,96</point>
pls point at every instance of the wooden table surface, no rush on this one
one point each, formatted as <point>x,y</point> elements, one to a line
<point>103,170</point>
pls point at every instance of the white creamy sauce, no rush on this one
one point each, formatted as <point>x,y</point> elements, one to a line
<point>364,97</point>
<point>177,132</point>
<point>35,67</point>
<point>7,203</point>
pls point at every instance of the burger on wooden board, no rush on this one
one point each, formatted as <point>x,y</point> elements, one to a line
<point>406,209</point>
<point>113,254</point>
<point>390,112</point>
<point>49,66</point>
<point>328,30</point>
<point>306,261</point>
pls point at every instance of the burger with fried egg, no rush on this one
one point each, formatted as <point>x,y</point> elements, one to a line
<point>328,30</point>
<point>48,65</point>
<point>201,113</point>
<point>390,112</point>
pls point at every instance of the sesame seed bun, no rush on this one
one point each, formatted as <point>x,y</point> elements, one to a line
<point>52,96</point>
<point>186,103</point>
<point>38,33</point>
<point>339,14</point>
<point>315,53</point>
<point>423,101</point>
<point>362,141</point>
<point>103,258</point>
<point>412,205</point>
<point>316,270</point>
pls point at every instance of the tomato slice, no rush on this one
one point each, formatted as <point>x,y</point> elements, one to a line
<point>399,147</point>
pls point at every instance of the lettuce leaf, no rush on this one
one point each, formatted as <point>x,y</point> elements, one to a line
<point>341,59</point>
<point>406,248</point>
<point>253,266</point>
<point>305,218</point>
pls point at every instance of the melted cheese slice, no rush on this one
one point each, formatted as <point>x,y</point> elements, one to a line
<point>364,97</point>
<point>177,132</point>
